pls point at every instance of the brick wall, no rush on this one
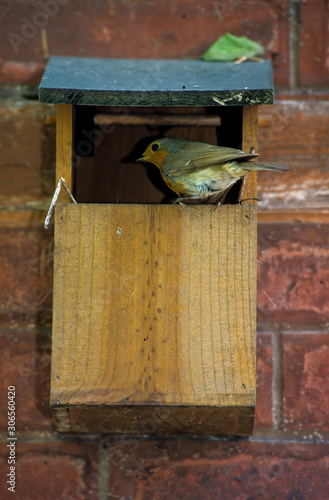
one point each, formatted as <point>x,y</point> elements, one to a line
<point>288,454</point>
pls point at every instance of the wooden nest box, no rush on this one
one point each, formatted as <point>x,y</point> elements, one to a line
<point>154,310</point>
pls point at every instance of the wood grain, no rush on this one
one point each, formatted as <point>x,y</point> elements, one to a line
<point>154,306</point>
<point>156,120</point>
<point>64,144</point>
<point>249,140</point>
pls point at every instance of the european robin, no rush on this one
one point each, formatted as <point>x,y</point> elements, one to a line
<point>196,170</point>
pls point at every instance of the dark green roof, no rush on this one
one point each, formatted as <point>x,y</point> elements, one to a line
<point>136,82</point>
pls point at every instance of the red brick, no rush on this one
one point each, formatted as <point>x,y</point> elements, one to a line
<point>314,43</point>
<point>129,29</point>
<point>208,470</point>
<point>263,417</point>
<point>293,273</point>
<point>25,364</point>
<point>52,470</point>
<point>280,48</point>
<point>297,138</point>
<point>26,270</point>
<point>305,382</point>
<point>27,155</point>
<point>11,71</point>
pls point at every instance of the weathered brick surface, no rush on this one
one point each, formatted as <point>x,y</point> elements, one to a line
<point>208,470</point>
<point>293,273</point>
<point>27,154</point>
<point>26,72</point>
<point>129,29</point>
<point>52,470</point>
<point>26,259</point>
<point>280,48</point>
<point>25,364</point>
<point>186,29</point>
<point>263,416</point>
<point>297,138</point>
<point>305,383</point>
<point>314,43</point>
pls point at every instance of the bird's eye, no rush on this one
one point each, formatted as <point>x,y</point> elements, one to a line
<point>155,147</point>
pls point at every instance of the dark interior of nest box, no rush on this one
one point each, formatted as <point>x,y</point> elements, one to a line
<point>104,154</point>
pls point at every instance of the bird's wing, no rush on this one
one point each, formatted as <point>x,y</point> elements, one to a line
<point>212,156</point>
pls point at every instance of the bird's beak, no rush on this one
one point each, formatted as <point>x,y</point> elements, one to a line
<point>143,158</point>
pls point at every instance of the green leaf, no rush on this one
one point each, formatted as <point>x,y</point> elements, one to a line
<point>230,47</point>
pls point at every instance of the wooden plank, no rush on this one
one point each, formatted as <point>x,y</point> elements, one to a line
<point>159,419</point>
<point>64,144</point>
<point>264,121</point>
<point>154,306</point>
<point>249,140</point>
<point>35,219</point>
<point>158,120</point>
<point>154,419</point>
<point>132,82</point>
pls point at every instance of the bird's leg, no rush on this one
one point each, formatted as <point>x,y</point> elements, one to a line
<point>220,201</point>
<point>182,200</point>
<point>219,198</point>
<point>247,199</point>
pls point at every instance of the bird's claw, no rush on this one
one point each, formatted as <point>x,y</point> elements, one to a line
<point>180,201</point>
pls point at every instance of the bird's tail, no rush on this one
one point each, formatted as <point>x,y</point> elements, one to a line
<point>252,165</point>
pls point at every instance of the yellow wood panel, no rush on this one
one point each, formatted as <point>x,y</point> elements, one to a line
<point>64,144</point>
<point>154,305</point>
<point>249,140</point>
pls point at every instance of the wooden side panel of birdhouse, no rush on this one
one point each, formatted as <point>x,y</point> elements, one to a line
<point>64,144</point>
<point>154,314</point>
<point>249,142</point>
